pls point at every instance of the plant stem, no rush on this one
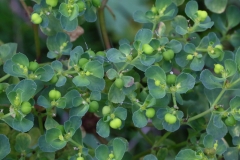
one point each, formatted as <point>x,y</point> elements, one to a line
<point>174,100</point>
<point>4,77</point>
<point>37,42</point>
<point>210,109</point>
<point>138,156</point>
<point>35,31</point>
<point>40,123</point>
<point>160,140</point>
<point>103,25</point>
<point>145,137</point>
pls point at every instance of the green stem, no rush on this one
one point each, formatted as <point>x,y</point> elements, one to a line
<point>6,115</point>
<point>103,25</point>
<point>154,26</point>
<point>184,143</point>
<point>210,109</point>
<point>75,143</point>
<point>40,123</point>
<point>4,77</point>
<point>145,137</point>
<point>160,140</point>
<point>174,100</point>
<point>37,42</point>
<point>138,156</point>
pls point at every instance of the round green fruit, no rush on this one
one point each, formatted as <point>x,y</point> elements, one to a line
<point>202,15</point>
<point>93,106</point>
<point>54,94</point>
<point>154,10</point>
<point>168,55</point>
<point>150,112</point>
<point>230,121</point>
<point>189,57</point>
<point>147,49</point>
<point>119,83</point>
<point>54,79</point>
<point>115,123</point>
<point>101,53</point>
<point>26,107</point>
<point>33,66</point>
<point>96,3</point>
<point>157,82</point>
<point>171,79</point>
<point>170,118</point>
<point>82,62</point>
<point>81,5</point>
<point>106,110</point>
<point>36,18</point>
<point>218,68</point>
<point>111,155</point>
<point>52,3</point>
<point>80,158</point>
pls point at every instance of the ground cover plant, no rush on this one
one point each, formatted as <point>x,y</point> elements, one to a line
<point>171,93</point>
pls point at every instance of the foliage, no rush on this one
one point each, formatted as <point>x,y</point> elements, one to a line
<point>179,75</point>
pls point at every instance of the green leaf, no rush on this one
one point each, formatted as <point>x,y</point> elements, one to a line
<point>81,81</point>
<point>23,124</point>
<point>234,105</point>
<point>4,147</point>
<point>115,56</point>
<point>20,59</point>
<point>103,128</point>
<point>155,72</point>
<point>184,82</point>
<point>191,9</point>
<point>57,66</point>
<point>111,73</point>
<point>23,141</point>
<point>216,6</point>
<point>230,67</point>
<point>175,45</point>
<point>96,68</point>
<point>197,64</point>
<point>63,9</point>
<point>121,113</point>
<point>119,148</point>
<point>96,84</point>
<point>216,132</point>
<point>212,94</point>
<point>235,130</point>
<point>68,25</point>
<point>7,50</point>
<point>61,81</point>
<point>209,80</point>
<point>232,13</point>
<point>237,59</point>
<point>44,102</point>
<point>61,103</point>
<point>50,123</point>
<point>79,111</point>
<point>231,153</point>
<point>162,153</point>
<point>168,8</point>
<point>90,15</point>
<point>139,119</point>
<point>208,141</point>
<point>187,154</point>
<point>70,96</point>
<point>52,137</point>
<point>115,94</point>
<point>44,146</point>
<point>75,11</point>
<point>102,152</point>
<point>144,36</point>
<point>45,73</point>
<point>150,157</point>
<point>180,24</point>
<point>140,17</point>
<point>72,124</point>
<point>77,137</point>
<point>35,134</point>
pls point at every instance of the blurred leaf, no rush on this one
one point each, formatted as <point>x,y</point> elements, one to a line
<point>187,154</point>
<point>216,6</point>
<point>4,147</point>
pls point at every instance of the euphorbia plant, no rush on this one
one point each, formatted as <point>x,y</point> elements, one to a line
<point>179,76</point>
